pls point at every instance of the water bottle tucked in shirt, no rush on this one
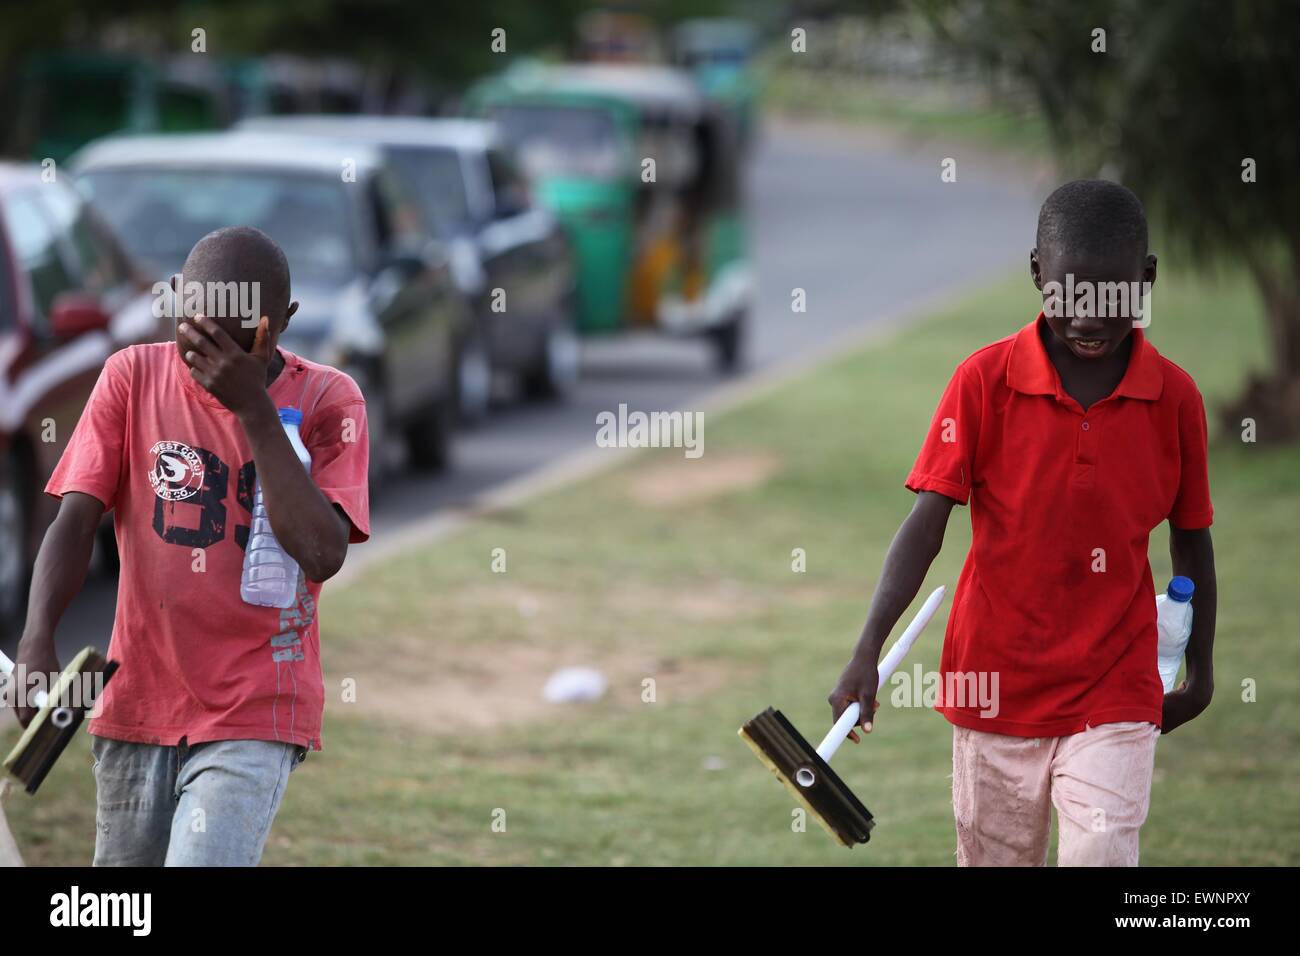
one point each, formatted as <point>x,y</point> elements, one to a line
<point>270,576</point>
<point>1174,627</point>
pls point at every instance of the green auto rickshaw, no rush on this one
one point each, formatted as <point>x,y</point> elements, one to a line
<point>645,175</point>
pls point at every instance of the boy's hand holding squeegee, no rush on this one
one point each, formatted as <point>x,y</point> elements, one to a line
<point>850,717</point>
<point>57,713</point>
<point>805,772</point>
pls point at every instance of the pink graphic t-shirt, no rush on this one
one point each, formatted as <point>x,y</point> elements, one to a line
<point>175,468</point>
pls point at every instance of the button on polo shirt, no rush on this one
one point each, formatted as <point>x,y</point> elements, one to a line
<point>1053,625</point>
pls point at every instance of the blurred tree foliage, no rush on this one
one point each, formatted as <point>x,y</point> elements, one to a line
<point>1186,92</point>
<point>444,42</point>
<point>413,54</point>
<point>447,42</point>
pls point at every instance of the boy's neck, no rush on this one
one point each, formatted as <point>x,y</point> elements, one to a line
<point>274,368</point>
<point>1087,381</point>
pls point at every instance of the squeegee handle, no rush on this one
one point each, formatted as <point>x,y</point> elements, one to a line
<point>39,699</point>
<point>849,719</point>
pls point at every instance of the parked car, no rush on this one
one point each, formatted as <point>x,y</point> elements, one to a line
<point>68,299</point>
<point>510,255</point>
<point>376,296</point>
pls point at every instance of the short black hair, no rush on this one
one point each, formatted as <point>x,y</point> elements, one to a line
<point>1092,217</point>
<point>243,254</point>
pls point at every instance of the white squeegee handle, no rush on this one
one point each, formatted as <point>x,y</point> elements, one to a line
<point>849,719</point>
<point>39,699</point>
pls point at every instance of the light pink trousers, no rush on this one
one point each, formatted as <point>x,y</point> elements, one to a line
<point>1003,789</point>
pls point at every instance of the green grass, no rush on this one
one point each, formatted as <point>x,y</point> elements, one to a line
<point>700,597</point>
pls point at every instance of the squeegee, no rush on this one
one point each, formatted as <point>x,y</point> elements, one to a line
<point>806,771</point>
<point>59,714</point>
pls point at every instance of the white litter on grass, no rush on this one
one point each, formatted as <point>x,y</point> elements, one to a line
<point>571,685</point>
<point>714,762</point>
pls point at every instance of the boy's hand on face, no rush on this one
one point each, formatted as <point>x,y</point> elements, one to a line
<point>857,683</point>
<point>1184,703</point>
<point>236,378</point>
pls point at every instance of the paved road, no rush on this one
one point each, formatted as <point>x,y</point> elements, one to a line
<point>865,226</point>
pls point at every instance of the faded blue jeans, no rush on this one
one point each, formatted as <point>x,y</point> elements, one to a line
<point>207,805</point>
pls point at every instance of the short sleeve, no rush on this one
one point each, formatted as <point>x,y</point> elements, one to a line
<point>1192,508</point>
<point>947,459</point>
<point>338,440</point>
<point>92,464</point>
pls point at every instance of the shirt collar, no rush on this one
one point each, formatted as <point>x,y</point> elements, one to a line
<point>1029,369</point>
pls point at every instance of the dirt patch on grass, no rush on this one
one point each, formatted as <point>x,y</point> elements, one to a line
<point>706,600</point>
<point>679,481</point>
<point>500,685</point>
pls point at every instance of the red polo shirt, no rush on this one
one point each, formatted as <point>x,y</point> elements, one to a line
<point>1053,624</point>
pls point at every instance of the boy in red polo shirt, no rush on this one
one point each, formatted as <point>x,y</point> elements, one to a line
<point>1071,440</point>
<point>216,700</point>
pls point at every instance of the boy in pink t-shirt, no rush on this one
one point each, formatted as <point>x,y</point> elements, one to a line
<point>216,700</point>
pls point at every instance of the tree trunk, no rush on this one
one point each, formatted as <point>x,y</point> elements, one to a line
<point>1272,400</point>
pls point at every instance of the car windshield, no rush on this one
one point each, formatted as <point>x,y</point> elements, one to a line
<point>563,140</point>
<point>433,176</point>
<point>161,213</point>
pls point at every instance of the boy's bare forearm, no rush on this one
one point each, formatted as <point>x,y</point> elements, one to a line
<point>913,550</point>
<point>305,523</point>
<point>61,565</point>
<point>908,560</point>
<point>1192,554</point>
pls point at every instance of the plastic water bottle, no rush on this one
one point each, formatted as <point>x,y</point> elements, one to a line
<point>1174,627</point>
<point>270,576</point>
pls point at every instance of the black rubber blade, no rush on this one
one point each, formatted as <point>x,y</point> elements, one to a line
<point>784,751</point>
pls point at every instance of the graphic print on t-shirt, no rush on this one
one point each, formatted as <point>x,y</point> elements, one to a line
<point>196,518</point>
<point>177,471</point>
<point>286,645</point>
<point>286,648</point>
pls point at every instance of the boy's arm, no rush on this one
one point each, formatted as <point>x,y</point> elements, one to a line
<point>59,573</point>
<point>308,526</point>
<point>1192,553</point>
<point>312,530</point>
<point>907,562</point>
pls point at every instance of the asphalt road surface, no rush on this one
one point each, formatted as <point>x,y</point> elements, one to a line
<point>863,224</point>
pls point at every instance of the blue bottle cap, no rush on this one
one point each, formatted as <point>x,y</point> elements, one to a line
<point>292,416</point>
<point>1181,588</point>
